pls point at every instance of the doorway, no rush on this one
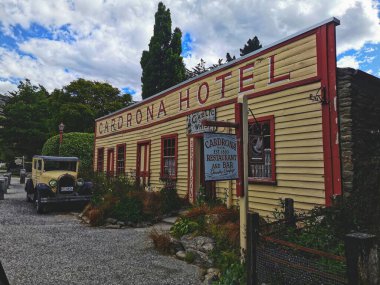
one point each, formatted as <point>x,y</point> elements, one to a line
<point>197,175</point>
<point>143,163</point>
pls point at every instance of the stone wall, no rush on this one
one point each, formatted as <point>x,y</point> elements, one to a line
<point>359,115</point>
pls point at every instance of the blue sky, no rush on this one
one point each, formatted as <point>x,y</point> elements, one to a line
<point>54,42</point>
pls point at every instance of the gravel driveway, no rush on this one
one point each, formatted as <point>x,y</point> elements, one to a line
<point>56,248</point>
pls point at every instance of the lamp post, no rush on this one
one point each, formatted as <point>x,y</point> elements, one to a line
<point>61,127</point>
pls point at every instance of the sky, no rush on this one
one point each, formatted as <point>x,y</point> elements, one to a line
<point>55,42</point>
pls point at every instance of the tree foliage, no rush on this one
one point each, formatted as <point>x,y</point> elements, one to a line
<point>25,122</point>
<point>251,45</point>
<point>162,65</point>
<point>31,114</point>
<point>81,102</point>
<point>73,144</point>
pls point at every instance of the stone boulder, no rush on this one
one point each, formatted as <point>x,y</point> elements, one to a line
<point>201,247</point>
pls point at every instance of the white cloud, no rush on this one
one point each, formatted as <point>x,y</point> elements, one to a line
<point>370,71</point>
<point>7,86</point>
<point>109,36</point>
<point>348,61</point>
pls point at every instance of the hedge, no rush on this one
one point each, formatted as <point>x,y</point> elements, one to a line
<point>73,144</point>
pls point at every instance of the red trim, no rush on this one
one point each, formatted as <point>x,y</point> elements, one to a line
<point>146,173</point>
<point>100,149</point>
<point>326,55</point>
<point>269,118</point>
<point>188,166</point>
<point>110,167</point>
<point>334,128</point>
<point>163,138</point>
<point>239,139</point>
<point>257,55</point>
<point>220,104</point>
<point>94,165</point>
<point>117,156</point>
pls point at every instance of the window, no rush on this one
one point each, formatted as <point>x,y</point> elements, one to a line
<point>100,162</point>
<point>169,156</point>
<point>261,150</point>
<point>120,159</point>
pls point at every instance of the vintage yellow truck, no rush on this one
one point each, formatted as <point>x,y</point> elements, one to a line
<point>55,180</point>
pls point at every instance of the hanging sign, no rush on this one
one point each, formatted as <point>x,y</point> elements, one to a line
<point>194,121</point>
<point>220,156</point>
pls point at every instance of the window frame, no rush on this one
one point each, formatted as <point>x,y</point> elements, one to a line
<point>163,138</point>
<point>118,146</point>
<point>273,179</point>
<point>99,149</point>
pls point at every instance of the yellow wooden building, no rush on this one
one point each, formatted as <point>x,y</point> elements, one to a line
<point>293,143</point>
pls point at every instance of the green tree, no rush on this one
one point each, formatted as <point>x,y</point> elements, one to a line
<point>162,65</point>
<point>73,144</point>
<point>229,57</point>
<point>78,104</point>
<point>25,122</point>
<point>250,46</point>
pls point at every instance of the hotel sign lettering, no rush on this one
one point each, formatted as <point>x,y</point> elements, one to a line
<point>252,76</point>
<point>220,157</point>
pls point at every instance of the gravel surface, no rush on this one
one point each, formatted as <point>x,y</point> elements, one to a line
<point>56,248</point>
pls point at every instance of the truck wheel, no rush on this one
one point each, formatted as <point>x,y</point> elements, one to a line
<point>39,206</point>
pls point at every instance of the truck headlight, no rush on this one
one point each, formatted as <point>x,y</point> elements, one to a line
<point>53,183</point>
<point>80,182</point>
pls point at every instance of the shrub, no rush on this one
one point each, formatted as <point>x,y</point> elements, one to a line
<point>129,208</point>
<point>95,215</point>
<point>224,214</point>
<point>152,204</point>
<point>161,240</point>
<point>73,144</point>
<point>182,227</point>
<point>235,274</point>
<point>170,200</point>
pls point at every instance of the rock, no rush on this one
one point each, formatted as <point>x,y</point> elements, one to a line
<point>112,226</point>
<point>213,270</point>
<point>131,224</point>
<point>111,221</point>
<point>120,223</point>
<point>210,278</point>
<point>198,243</point>
<point>181,254</point>
<point>201,259</point>
<point>200,247</point>
<point>176,244</point>
<point>86,220</point>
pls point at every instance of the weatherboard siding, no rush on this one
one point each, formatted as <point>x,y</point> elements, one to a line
<point>299,150</point>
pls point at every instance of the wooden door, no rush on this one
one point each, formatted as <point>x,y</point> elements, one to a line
<point>209,186</point>
<point>110,161</point>
<point>143,163</point>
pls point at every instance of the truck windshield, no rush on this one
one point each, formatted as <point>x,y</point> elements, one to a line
<point>60,165</point>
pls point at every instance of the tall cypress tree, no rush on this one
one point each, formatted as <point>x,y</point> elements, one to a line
<point>250,46</point>
<point>162,65</point>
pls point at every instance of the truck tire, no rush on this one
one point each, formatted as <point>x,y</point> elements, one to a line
<point>39,206</point>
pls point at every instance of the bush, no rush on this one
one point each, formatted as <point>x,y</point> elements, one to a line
<point>73,144</point>
<point>182,227</point>
<point>235,274</point>
<point>129,208</point>
<point>189,257</point>
<point>170,200</point>
<point>161,240</point>
<point>152,204</point>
